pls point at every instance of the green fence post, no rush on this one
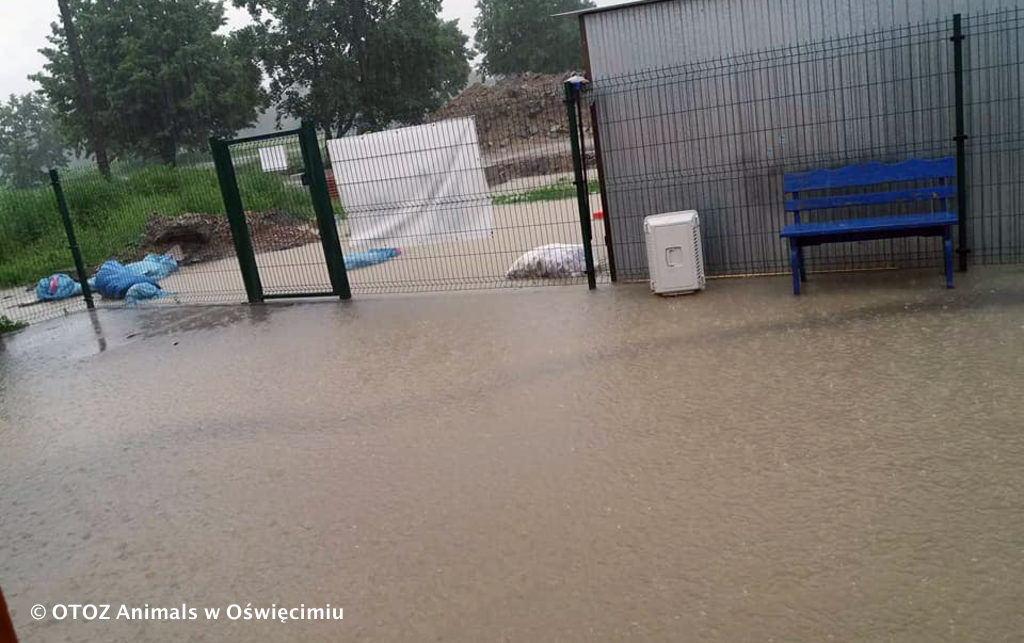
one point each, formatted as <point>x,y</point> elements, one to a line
<point>69,230</point>
<point>961,141</point>
<point>572,96</point>
<point>236,219</point>
<point>316,179</point>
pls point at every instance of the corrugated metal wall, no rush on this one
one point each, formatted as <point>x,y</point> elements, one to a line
<point>664,34</point>
<point>704,104</point>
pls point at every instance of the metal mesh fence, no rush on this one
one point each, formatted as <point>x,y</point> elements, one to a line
<point>141,209</point>
<point>451,204</point>
<point>173,211</point>
<point>993,98</point>
<point>519,174</point>
<point>150,206</point>
<point>712,135</point>
<point>718,135</point>
<point>32,246</point>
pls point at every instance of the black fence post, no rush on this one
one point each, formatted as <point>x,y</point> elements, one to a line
<point>316,178</point>
<point>236,219</point>
<point>572,97</point>
<point>69,230</point>
<point>961,141</point>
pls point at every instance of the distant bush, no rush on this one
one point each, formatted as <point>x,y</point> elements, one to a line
<point>109,216</point>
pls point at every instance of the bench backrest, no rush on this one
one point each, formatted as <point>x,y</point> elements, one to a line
<point>941,171</point>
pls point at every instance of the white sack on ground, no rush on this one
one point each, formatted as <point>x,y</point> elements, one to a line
<point>550,261</point>
<point>415,185</point>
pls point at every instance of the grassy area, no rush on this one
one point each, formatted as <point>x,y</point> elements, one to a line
<point>109,216</point>
<point>7,325</point>
<point>564,188</point>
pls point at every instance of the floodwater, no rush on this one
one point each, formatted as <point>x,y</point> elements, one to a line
<point>529,466</point>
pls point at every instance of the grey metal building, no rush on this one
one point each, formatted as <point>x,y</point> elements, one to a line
<point>704,104</point>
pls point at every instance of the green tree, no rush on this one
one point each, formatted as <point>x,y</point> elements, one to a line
<point>163,79</point>
<point>517,36</point>
<point>84,101</point>
<point>357,63</point>
<point>29,141</point>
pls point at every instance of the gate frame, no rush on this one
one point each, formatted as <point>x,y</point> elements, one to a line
<point>313,177</point>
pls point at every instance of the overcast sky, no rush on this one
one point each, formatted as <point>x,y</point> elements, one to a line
<point>26,23</point>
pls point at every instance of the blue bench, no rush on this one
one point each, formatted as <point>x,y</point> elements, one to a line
<point>938,222</point>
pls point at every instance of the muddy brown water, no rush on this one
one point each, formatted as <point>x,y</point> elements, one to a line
<point>530,466</point>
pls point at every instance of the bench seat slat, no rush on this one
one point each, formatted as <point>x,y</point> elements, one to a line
<point>870,174</point>
<point>872,198</point>
<point>875,224</point>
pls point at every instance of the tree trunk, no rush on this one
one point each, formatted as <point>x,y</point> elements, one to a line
<point>169,151</point>
<point>344,127</point>
<point>85,96</point>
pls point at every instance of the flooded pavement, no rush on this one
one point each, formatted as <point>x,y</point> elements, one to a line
<point>529,466</point>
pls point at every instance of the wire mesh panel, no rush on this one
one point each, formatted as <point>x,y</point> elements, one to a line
<point>33,247</point>
<point>994,123</point>
<point>481,197</point>
<point>717,136</point>
<point>171,211</point>
<point>521,170</point>
<point>141,209</point>
<point>279,212</point>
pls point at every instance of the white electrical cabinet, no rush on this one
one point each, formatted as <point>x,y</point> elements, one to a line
<point>674,252</point>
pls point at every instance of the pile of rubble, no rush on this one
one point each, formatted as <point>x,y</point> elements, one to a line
<point>194,238</point>
<point>516,110</point>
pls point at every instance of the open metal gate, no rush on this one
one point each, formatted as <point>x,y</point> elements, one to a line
<point>281,215</point>
<point>427,207</point>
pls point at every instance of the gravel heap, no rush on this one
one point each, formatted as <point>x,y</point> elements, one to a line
<point>514,113</point>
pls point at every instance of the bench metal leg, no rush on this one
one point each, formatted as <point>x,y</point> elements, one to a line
<point>947,242</point>
<point>794,262</point>
<point>803,266</point>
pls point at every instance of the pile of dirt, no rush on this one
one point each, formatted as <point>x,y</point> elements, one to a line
<point>516,113</point>
<point>194,238</point>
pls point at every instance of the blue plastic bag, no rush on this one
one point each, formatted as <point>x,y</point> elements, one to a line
<point>113,280</point>
<point>154,266</point>
<point>57,287</point>
<point>142,292</point>
<point>357,260</point>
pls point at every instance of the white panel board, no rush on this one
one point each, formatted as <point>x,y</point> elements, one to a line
<point>274,159</point>
<point>414,185</point>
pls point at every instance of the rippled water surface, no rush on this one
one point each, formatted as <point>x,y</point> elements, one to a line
<point>550,466</point>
